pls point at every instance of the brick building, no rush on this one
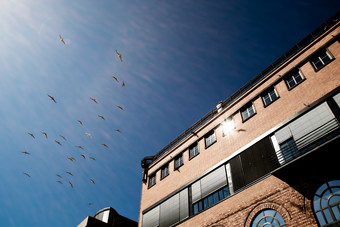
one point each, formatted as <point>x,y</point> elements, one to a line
<point>266,156</point>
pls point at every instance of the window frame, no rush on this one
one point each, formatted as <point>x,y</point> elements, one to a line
<point>207,136</point>
<point>246,108</point>
<point>191,147</point>
<point>292,75</point>
<point>324,211</point>
<point>152,176</point>
<point>267,93</point>
<point>166,169</point>
<point>318,56</point>
<point>178,157</point>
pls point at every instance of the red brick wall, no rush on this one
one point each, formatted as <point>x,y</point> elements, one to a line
<point>241,208</point>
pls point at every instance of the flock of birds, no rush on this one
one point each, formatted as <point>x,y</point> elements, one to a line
<point>60,178</point>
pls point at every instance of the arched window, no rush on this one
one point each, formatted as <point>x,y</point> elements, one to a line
<point>268,218</point>
<point>326,203</point>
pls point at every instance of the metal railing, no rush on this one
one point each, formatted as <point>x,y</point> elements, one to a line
<point>293,149</point>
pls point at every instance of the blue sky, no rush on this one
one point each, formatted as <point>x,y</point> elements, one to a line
<point>180,58</point>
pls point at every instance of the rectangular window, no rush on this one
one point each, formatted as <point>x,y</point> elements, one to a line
<point>193,150</point>
<point>247,111</point>
<point>321,59</point>
<point>289,149</point>
<point>178,161</point>
<point>209,138</point>
<point>293,79</point>
<point>164,171</point>
<point>210,200</point>
<point>152,180</point>
<point>269,96</point>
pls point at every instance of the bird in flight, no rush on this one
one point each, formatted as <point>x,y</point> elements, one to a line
<point>71,159</point>
<point>70,184</point>
<point>120,107</point>
<point>69,173</point>
<point>123,84</point>
<point>83,156</point>
<point>94,100</point>
<point>93,181</point>
<point>88,134</point>
<point>44,134</point>
<point>117,130</point>
<point>90,204</point>
<point>31,134</point>
<point>63,137</point>
<point>57,142</point>
<point>25,152</point>
<point>59,176</point>
<point>93,158</point>
<point>80,122</point>
<point>51,97</point>
<point>101,117</point>
<point>62,40</point>
<point>80,147</point>
<point>59,182</point>
<point>105,145</point>
<point>119,55</point>
<point>116,79</point>
<point>27,174</point>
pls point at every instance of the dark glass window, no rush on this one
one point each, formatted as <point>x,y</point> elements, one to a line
<point>178,161</point>
<point>321,59</point>
<point>209,138</point>
<point>326,203</point>
<point>152,179</point>
<point>268,218</point>
<point>289,149</point>
<point>269,96</point>
<point>247,111</point>
<point>164,171</point>
<point>293,79</point>
<point>210,200</point>
<point>193,150</point>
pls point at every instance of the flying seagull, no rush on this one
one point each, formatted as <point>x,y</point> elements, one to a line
<point>59,176</point>
<point>119,55</point>
<point>83,156</point>
<point>88,134</point>
<point>70,184</point>
<point>25,152</point>
<point>80,122</point>
<point>123,84</point>
<point>59,182</point>
<point>44,134</point>
<point>93,181</point>
<point>31,134</point>
<point>57,142</point>
<point>69,173</point>
<point>27,174</point>
<point>63,137</point>
<point>93,158</point>
<point>101,117</point>
<point>94,100</point>
<point>90,204</point>
<point>80,147</point>
<point>116,79</point>
<point>51,97</point>
<point>117,130</point>
<point>105,145</point>
<point>120,107</point>
<point>71,159</point>
<point>62,40</point>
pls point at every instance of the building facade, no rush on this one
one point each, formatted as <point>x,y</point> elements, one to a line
<point>266,156</point>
